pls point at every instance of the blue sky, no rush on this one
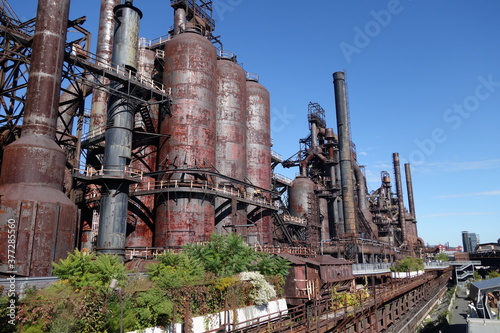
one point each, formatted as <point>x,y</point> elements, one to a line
<point>423,80</point>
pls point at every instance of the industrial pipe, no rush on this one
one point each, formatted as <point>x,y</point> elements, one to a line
<point>399,193</point>
<point>345,153</point>
<point>179,20</point>
<point>118,146</point>
<point>104,53</point>
<point>33,168</point>
<point>409,187</point>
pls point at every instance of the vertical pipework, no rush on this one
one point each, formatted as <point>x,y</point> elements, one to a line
<point>179,20</point>
<point>104,54</point>
<point>409,187</point>
<point>33,168</point>
<point>345,153</point>
<point>118,147</point>
<point>399,193</point>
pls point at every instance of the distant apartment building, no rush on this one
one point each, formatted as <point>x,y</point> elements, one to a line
<point>470,241</point>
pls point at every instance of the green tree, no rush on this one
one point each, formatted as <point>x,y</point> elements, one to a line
<point>441,256</point>
<point>176,270</point>
<point>269,265</point>
<point>223,255</point>
<point>408,264</point>
<point>83,269</point>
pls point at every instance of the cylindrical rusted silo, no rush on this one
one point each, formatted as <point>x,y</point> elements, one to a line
<point>299,197</point>
<point>140,215</point>
<point>41,217</point>
<point>190,73</point>
<point>231,158</point>
<point>259,149</point>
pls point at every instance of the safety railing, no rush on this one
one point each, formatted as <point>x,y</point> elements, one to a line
<point>276,155</point>
<point>118,70</point>
<point>202,185</point>
<point>281,178</point>
<point>223,54</point>
<point>380,267</point>
<point>125,172</point>
<point>252,77</point>
<point>294,219</point>
<point>153,43</point>
<point>93,133</point>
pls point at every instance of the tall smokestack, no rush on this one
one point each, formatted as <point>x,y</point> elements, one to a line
<point>118,147</point>
<point>345,153</point>
<point>409,187</point>
<point>399,193</point>
<point>32,176</point>
<point>104,55</point>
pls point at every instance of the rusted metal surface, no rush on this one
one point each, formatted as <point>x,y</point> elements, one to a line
<point>259,148</point>
<point>413,231</point>
<point>345,153</point>
<point>298,196</point>
<point>179,20</point>
<point>324,214</point>
<point>104,52</point>
<point>140,221</point>
<point>190,73</point>
<point>409,187</point>
<point>118,146</point>
<point>399,193</point>
<point>33,169</point>
<point>231,158</point>
<point>69,102</point>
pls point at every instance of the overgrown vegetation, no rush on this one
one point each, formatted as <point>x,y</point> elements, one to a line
<point>492,274</point>
<point>199,280</point>
<point>441,257</point>
<point>347,299</point>
<point>408,264</point>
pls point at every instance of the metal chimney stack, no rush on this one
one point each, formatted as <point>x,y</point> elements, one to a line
<point>118,147</point>
<point>399,193</point>
<point>104,55</point>
<point>409,187</point>
<point>33,203</point>
<point>345,153</point>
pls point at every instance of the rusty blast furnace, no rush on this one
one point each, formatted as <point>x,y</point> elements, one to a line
<point>174,145</point>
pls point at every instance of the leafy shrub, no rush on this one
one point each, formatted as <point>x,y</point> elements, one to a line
<point>224,255</point>
<point>176,270</point>
<point>269,265</point>
<point>442,257</point>
<point>408,264</point>
<point>83,269</point>
<point>344,299</point>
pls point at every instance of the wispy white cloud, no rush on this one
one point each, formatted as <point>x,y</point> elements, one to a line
<point>457,214</point>
<point>473,194</point>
